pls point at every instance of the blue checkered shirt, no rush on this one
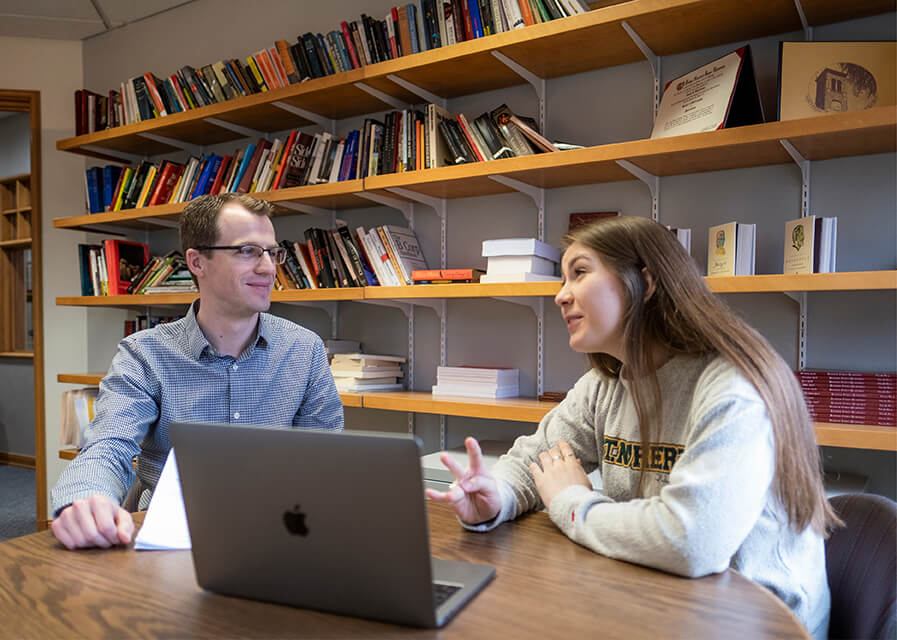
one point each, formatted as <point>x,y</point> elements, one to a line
<point>172,373</point>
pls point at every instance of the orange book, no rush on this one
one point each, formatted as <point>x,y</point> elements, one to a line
<point>526,12</point>
<point>278,67</point>
<point>265,69</point>
<point>286,61</point>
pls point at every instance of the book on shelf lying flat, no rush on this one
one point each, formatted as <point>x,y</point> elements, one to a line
<point>520,247</point>
<point>366,387</point>
<point>367,358</point>
<point>520,264</point>
<point>445,276</point>
<point>494,375</point>
<point>810,244</point>
<point>518,277</point>
<point>730,249</point>
<point>476,390</point>
<point>379,372</point>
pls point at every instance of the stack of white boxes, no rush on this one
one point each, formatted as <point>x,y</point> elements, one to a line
<point>520,260</point>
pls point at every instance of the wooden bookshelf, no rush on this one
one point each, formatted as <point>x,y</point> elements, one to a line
<point>532,410</point>
<point>93,379</point>
<point>774,283</point>
<point>21,243</point>
<point>25,355</point>
<point>518,409</point>
<point>552,49</point>
<point>820,138</point>
<point>336,195</point>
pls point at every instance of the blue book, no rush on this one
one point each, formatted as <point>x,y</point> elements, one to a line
<point>110,181</point>
<point>84,264</point>
<point>350,153</point>
<point>339,44</point>
<point>474,7</point>
<point>172,98</point>
<point>328,66</point>
<point>94,186</point>
<point>203,177</point>
<point>412,26</point>
<point>246,158</point>
<point>215,161</point>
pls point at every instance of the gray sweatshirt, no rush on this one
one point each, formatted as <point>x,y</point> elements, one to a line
<point>708,502</point>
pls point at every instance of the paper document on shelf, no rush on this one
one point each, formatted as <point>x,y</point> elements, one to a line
<point>165,524</point>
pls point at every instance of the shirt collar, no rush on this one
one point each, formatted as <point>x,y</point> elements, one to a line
<point>197,342</point>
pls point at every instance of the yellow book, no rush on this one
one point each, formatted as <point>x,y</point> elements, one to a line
<point>147,185</point>
<point>125,181</point>
<point>259,79</point>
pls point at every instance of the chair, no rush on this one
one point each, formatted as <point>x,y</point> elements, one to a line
<point>861,561</point>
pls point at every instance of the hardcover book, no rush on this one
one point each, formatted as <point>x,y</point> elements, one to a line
<point>730,249</point>
<point>124,260</point>
<point>810,245</point>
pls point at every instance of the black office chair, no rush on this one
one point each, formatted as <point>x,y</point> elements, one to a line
<point>861,560</point>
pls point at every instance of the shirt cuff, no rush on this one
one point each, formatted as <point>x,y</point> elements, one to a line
<point>569,507</point>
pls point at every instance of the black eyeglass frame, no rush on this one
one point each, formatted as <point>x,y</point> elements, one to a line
<point>278,254</point>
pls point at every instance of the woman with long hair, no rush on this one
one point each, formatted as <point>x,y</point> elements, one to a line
<point>706,452</point>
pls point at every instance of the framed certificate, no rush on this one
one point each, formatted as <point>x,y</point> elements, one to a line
<point>816,78</point>
<point>721,94</point>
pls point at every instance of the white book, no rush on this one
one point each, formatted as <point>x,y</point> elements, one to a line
<point>520,247</point>
<point>474,391</point>
<point>306,268</point>
<point>438,149</point>
<point>392,278</point>
<point>371,255</point>
<point>344,381</point>
<point>497,15</point>
<point>263,158</point>
<point>406,250</point>
<point>518,277</point>
<point>730,249</point>
<point>683,236</point>
<point>520,264</point>
<point>367,388</point>
<point>440,19</point>
<point>369,356</point>
<point>512,10</point>
<point>478,374</point>
<point>379,373</point>
<point>322,139</point>
<point>449,24</point>
<point>337,161</point>
<point>810,245</point>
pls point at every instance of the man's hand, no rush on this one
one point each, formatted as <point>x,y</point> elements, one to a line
<point>97,521</point>
<point>474,493</point>
<point>560,469</point>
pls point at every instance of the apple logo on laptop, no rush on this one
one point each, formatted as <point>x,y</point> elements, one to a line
<point>295,522</point>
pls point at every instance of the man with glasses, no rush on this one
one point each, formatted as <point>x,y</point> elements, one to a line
<point>225,361</point>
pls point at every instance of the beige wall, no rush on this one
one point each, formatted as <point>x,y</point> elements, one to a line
<point>54,67</point>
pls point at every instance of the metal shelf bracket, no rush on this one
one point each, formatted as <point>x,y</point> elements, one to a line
<point>537,83</point>
<point>804,166</point>
<point>384,97</point>
<point>537,194</point>
<point>318,119</point>
<point>177,144</point>
<point>653,59</point>
<point>407,208</point>
<point>246,132</point>
<point>420,92</point>
<point>801,299</point>
<point>649,179</point>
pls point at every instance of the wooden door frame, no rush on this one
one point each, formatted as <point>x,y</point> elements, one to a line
<point>29,102</point>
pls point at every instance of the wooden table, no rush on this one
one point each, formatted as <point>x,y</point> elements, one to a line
<point>545,587</point>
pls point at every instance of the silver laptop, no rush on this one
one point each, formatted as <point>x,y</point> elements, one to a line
<point>333,521</point>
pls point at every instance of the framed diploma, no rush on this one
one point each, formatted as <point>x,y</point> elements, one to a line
<point>721,94</point>
<point>816,78</point>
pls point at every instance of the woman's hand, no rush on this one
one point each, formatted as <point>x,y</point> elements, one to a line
<point>560,469</point>
<point>474,493</point>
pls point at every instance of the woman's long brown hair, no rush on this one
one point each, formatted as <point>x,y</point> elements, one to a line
<point>683,316</point>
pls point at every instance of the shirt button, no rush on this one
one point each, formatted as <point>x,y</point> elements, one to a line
<point>235,367</point>
<point>237,415</point>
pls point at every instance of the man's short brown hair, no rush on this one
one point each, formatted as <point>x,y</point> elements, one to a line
<point>199,221</point>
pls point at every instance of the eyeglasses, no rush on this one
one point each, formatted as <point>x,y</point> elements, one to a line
<point>251,252</point>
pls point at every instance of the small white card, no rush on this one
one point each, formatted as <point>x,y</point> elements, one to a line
<point>165,524</point>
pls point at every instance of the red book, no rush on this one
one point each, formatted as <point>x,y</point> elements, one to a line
<point>246,180</point>
<point>470,141</point>
<point>395,39</point>
<point>219,177</point>
<point>279,176</point>
<point>150,81</point>
<point>124,260</point>
<point>347,35</point>
<point>845,375</point>
<point>166,184</point>
<point>468,23</point>
<point>121,177</point>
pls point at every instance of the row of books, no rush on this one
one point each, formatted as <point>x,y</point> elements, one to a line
<point>121,267</point>
<point>810,247</point>
<point>406,29</point>
<point>403,141</point>
<point>335,258</point>
<point>142,322</point>
<point>366,372</point>
<point>850,397</point>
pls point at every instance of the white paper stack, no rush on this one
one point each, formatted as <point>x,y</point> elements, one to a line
<point>519,260</point>
<point>477,382</point>
<point>364,372</point>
